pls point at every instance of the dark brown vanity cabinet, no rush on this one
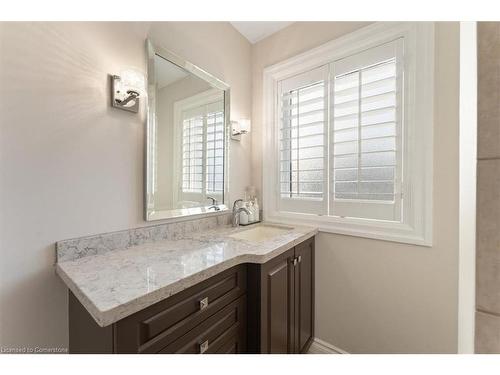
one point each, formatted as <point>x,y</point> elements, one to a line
<point>209,317</point>
<point>249,308</point>
<point>304,297</point>
<point>284,302</point>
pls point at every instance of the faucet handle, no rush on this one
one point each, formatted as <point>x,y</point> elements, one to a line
<point>214,201</point>
<point>236,202</point>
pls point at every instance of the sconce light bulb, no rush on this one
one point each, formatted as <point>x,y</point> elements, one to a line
<point>244,126</point>
<point>127,89</point>
<point>133,80</point>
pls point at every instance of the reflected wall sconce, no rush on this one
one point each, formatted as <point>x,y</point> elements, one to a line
<point>239,127</point>
<point>127,89</point>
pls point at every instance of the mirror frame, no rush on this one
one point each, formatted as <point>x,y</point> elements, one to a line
<point>151,51</point>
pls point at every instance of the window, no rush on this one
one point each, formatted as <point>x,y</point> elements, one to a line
<point>351,145</point>
<point>365,124</point>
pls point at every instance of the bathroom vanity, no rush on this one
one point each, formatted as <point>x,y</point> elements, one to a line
<point>196,284</point>
<point>221,290</point>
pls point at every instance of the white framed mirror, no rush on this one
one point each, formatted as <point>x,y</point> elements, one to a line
<point>187,139</point>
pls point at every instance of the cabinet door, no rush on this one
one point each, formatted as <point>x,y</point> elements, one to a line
<point>304,296</point>
<point>277,304</point>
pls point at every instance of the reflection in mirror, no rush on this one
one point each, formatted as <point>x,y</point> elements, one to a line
<point>185,141</point>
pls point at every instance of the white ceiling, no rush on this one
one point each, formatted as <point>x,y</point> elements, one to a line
<point>258,30</point>
<point>167,73</point>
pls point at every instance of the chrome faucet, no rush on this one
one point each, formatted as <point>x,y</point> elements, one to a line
<point>236,212</point>
<point>214,205</point>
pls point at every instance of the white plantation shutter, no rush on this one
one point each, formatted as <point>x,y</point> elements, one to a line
<point>366,132</point>
<point>215,149</point>
<point>303,119</point>
<point>340,137</point>
<point>192,151</point>
<point>377,133</point>
<point>203,151</point>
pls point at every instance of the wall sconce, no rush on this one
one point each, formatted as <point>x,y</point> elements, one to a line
<point>126,90</point>
<point>239,127</point>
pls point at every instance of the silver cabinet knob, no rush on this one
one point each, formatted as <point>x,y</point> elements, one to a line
<point>300,258</point>
<point>203,347</point>
<point>204,303</point>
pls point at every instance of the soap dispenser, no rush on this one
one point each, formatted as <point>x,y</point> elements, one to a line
<point>243,218</point>
<point>256,214</point>
<point>251,216</point>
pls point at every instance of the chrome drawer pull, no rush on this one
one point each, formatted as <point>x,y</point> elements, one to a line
<point>203,347</point>
<point>204,303</point>
<point>300,258</point>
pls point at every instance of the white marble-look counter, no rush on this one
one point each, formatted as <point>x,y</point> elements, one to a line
<point>118,283</point>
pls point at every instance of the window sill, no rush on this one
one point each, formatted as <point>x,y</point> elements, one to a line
<point>372,229</point>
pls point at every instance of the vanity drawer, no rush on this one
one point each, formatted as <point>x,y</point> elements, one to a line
<point>156,327</point>
<point>223,332</point>
<point>235,344</point>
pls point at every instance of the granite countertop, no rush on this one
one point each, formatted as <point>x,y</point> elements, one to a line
<point>118,283</point>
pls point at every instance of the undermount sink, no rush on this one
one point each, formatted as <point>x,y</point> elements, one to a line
<point>261,233</point>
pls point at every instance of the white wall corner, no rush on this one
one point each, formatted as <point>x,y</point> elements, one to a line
<point>467,187</point>
<point>319,346</point>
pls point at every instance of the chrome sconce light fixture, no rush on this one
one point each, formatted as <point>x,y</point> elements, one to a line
<point>239,127</point>
<point>127,89</point>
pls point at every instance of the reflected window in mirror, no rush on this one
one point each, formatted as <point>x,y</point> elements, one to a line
<point>202,167</point>
<point>186,138</point>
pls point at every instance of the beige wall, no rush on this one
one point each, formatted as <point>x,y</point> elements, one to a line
<point>72,166</point>
<point>488,190</point>
<point>375,296</point>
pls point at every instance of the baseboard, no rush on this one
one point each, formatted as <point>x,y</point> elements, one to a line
<point>322,347</point>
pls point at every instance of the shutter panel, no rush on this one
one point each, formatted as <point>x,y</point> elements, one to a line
<point>366,126</point>
<point>303,142</point>
<point>192,152</point>
<point>215,149</point>
<point>203,151</point>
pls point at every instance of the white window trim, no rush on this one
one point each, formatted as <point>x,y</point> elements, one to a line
<point>416,227</point>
